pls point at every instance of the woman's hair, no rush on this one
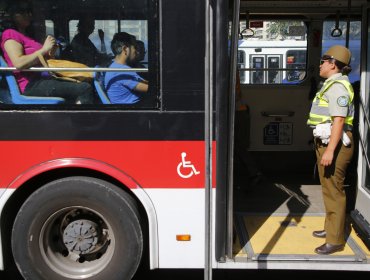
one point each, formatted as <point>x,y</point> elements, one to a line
<point>344,69</point>
<point>120,40</point>
<point>18,6</point>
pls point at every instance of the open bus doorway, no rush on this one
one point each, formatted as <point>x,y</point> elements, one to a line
<point>274,220</point>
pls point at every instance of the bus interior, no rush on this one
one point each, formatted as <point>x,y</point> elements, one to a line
<point>278,53</point>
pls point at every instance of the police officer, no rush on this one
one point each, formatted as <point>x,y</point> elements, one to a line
<point>333,104</point>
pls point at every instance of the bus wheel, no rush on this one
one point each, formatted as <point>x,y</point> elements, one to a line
<point>78,228</point>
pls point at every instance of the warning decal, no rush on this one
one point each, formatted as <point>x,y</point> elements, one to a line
<point>278,133</point>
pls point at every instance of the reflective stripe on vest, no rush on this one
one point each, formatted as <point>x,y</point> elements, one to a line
<point>320,107</point>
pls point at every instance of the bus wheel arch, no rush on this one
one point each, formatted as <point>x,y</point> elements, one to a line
<point>93,211</point>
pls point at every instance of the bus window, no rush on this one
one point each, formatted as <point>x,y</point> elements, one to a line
<point>354,43</point>
<point>273,76</point>
<point>272,43</point>
<point>241,65</point>
<point>257,76</point>
<point>109,27</point>
<point>49,27</point>
<point>137,18</point>
<point>296,60</point>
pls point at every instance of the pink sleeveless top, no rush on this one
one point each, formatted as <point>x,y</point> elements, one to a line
<point>29,47</point>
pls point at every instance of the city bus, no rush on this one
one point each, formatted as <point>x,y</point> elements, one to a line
<point>259,54</point>
<point>96,191</point>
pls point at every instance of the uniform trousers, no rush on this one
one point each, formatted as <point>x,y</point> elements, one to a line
<point>332,181</point>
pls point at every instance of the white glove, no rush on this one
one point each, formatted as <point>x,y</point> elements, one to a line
<point>323,131</point>
<point>345,139</point>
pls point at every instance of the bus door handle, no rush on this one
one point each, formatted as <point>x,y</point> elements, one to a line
<point>278,114</point>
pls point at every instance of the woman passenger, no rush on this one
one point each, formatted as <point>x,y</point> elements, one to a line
<point>21,51</point>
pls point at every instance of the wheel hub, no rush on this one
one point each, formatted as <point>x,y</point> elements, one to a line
<point>80,236</point>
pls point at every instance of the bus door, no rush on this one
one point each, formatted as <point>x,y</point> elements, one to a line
<point>274,62</point>
<point>361,214</point>
<point>241,65</point>
<point>257,62</point>
<point>262,76</point>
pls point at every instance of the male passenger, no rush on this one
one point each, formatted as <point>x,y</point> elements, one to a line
<point>140,56</point>
<point>124,87</point>
<point>83,49</point>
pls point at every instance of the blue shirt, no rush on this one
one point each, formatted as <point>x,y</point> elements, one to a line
<point>120,85</point>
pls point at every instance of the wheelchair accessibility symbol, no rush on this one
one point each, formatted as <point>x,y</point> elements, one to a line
<point>186,169</point>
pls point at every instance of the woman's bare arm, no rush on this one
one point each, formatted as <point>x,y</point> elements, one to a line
<point>16,54</point>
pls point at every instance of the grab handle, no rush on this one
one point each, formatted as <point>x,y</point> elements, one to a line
<point>278,114</point>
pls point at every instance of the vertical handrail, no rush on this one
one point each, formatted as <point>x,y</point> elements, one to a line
<point>363,108</point>
<point>361,138</point>
<point>208,132</point>
<point>348,23</point>
<point>363,121</point>
<point>232,84</point>
<point>364,152</point>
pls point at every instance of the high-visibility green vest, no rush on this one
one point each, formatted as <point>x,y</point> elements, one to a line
<point>320,107</point>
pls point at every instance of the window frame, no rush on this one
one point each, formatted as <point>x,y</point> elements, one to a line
<point>152,19</point>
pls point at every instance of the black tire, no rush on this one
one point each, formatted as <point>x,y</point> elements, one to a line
<point>78,228</point>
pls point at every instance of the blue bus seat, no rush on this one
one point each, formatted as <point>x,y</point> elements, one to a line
<point>99,87</point>
<point>5,97</point>
<point>18,98</point>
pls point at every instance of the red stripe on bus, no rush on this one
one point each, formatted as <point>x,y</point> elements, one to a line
<point>148,164</point>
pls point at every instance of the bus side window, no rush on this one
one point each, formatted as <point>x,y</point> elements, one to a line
<point>257,76</point>
<point>354,43</point>
<point>241,65</point>
<point>60,20</point>
<point>274,76</point>
<point>296,60</point>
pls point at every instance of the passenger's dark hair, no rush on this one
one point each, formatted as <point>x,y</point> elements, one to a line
<point>140,46</point>
<point>344,69</point>
<point>18,6</point>
<point>14,7</point>
<point>83,21</point>
<point>120,40</point>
